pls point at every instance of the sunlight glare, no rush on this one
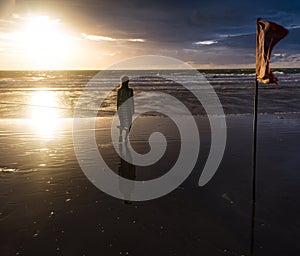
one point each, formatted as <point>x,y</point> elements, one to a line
<point>44,113</point>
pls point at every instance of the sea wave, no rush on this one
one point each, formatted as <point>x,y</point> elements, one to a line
<point>15,170</point>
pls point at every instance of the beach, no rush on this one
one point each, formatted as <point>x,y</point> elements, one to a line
<point>49,206</point>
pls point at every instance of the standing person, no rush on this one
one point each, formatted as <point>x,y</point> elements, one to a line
<point>125,111</point>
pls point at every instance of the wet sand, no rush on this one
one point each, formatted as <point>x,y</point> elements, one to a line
<point>49,207</point>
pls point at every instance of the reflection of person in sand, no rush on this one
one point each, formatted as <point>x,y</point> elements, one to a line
<point>127,171</point>
<point>126,110</point>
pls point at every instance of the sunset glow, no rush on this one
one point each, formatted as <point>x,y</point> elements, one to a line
<point>44,43</point>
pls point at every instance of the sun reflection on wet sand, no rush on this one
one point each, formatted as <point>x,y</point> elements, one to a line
<point>44,113</point>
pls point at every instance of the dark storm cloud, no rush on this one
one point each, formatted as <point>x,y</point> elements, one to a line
<point>166,19</point>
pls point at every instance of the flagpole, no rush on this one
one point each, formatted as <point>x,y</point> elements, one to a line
<point>254,150</point>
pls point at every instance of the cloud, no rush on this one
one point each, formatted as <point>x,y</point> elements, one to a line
<point>139,40</point>
<point>110,39</point>
<point>98,38</point>
<point>208,42</point>
<point>109,53</point>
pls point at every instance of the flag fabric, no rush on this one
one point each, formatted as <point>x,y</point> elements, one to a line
<point>267,36</point>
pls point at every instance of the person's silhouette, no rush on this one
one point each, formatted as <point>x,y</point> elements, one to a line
<point>125,106</point>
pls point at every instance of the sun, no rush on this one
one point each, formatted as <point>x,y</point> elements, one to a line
<point>44,43</point>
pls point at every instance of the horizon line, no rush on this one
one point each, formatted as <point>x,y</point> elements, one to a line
<point>129,69</point>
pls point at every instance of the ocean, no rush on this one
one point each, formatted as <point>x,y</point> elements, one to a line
<point>22,92</point>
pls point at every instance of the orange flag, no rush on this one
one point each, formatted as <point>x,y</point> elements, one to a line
<point>268,34</point>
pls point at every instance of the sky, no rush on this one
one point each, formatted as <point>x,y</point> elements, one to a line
<point>94,34</point>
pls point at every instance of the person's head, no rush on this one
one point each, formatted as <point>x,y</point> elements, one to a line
<point>124,80</point>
